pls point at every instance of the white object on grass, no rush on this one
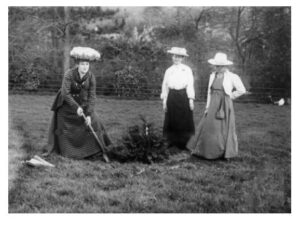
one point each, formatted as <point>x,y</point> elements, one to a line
<point>38,161</point>
<point>280,102</point>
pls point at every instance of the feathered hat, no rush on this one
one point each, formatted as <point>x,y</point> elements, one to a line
<point>85,53</point>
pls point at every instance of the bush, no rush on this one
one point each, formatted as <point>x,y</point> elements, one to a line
<point>30,75</point>
<point>27,77</point>
<point>133,67</point>
<point>143,143</point>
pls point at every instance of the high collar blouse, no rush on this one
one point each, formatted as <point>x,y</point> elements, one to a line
<point>178,77</point>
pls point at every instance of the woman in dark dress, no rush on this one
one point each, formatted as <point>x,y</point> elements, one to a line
<point>69,133</point>
<point>178,96</point>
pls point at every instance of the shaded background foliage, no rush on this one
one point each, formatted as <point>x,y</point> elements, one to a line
<point>133,42</point>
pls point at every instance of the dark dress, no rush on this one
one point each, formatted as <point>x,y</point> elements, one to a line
<point>68,133</point>
<point>215,135</point>
<point>178,123</point>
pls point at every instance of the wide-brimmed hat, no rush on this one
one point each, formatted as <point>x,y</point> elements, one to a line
<point>85,53</point>
<point>220,59</point>
<point>178,51</point>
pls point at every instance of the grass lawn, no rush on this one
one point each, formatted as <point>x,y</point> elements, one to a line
<point>257,181</point>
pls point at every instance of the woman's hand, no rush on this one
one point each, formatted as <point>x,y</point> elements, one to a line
<point>205,111</point>
<point>79,111</point>
<point>88,121</point>
<point>165,105</point>
<point>191,103</point>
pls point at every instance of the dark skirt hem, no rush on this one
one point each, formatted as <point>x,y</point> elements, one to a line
<point>178,123</point>
<point>71,138</point>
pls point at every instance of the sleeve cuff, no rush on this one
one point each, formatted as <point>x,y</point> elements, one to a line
<point>162,96</point>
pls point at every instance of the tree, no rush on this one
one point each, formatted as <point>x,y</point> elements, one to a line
<point>40,38</point>
<point>67,39</point>
<point>276,48</point>
<point>257,39</point>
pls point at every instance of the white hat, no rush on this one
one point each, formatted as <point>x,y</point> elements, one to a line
<point>85,53</point>
<point>220,59</point>
<point>178,51</point>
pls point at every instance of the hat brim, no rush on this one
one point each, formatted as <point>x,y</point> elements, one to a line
<point>224,63</point>
<point>176,53</point>
<point>78,58</point>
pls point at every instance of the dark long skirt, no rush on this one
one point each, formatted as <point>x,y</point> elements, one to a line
<point>70,137</point>
<point>179,123</point>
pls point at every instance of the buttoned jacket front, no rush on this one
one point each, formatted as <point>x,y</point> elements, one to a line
<point>77,92</point>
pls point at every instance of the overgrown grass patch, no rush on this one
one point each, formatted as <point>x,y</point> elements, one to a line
<point>258,180</point>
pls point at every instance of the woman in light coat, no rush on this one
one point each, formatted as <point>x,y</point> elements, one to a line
<point>216,135</point>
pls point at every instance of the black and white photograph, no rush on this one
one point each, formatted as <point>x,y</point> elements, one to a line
<point>149,109</point>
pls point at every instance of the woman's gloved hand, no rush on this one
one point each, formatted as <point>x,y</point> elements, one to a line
<point>79,111</point>
<point>165,105</point>
<point>205,112</point>
<point>191,102</point>
<point>88,120</point>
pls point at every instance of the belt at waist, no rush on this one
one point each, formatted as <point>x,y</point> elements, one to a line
<point>220,91</point>
<point>178,90</point>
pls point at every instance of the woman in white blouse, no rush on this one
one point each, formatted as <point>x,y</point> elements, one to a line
<point>216,135</point>
<point>178,96</point>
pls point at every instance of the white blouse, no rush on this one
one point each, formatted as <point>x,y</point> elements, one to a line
<point>178,77</point>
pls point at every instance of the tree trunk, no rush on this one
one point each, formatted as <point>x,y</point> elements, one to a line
<point>55,45</point>
<point>66,39</point>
